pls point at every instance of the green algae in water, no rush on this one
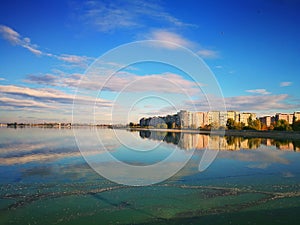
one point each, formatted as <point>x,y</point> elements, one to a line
<point>133,205</point>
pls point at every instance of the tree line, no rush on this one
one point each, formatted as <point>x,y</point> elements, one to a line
<point>255,124</point>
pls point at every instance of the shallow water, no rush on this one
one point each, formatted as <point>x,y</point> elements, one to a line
<point>44,179</point>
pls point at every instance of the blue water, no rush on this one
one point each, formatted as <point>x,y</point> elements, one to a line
<point>45,179</point>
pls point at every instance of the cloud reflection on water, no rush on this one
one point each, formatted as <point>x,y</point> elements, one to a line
<point>51,145</point>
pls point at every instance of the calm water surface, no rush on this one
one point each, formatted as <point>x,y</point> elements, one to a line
<point>45,180</point>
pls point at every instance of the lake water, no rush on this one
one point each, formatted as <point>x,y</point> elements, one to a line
<point>45,179</point>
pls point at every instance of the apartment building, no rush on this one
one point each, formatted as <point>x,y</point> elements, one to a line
<point>266,120</point>
<point>244,117</point>
<point>185,119</point>
<point>297,115</point>
<point>284,116</point>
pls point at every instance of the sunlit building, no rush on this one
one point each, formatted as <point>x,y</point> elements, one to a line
<point>284,116</point>
<point>234,115</point>
<point>244,117</point>
<point>195,120</point>
<point>217,118</point>
<point>198,119</point>
<point>191,119</point>
<point>297,116</point>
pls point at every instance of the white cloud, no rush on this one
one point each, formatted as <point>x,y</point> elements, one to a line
<point>285,84</point>
<point>259,91</point>
<point>209,54</point>
<point>83,61</point>
<point>257,103</point>
<point>10,35</point>
<point>50,104</point>
<point>16,39</point>
<point>108,16</point>
<point>33,50</point>
<point>161,83</point>
<point>1,78</point>
<point>44,97</point>
<point>254,103</point>
<point>167,85</point>
<point>171,37</point>
<point>23,103</point>
<point>47,79</point>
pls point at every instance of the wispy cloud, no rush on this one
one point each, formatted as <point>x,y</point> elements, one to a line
<point>16,39</point>
<point>259,91</point>
<point>160,83</point>
<point>258,103</point>
<point>46,79</point>
<point>82,61</point>
<point>43,97</point>
<point>285,84</point>
<point>246,103</point>
<point>173,38</point>
<point>208,54</point>
<point>1,78</point>
<point>108,16</point>
<point>23,103</point>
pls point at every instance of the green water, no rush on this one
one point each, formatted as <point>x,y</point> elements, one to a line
<point>45,180</point>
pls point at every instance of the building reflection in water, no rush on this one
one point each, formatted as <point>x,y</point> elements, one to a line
<point>188,141</point>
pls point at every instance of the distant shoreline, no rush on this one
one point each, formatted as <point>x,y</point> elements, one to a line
<point>274,134</point>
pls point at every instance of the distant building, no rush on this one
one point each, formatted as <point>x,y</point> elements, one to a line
<point>244,117</point>
<point>144,122</point>
<point>297,116</point>
<point>213,118</point>
<point>266,120</point>
<point>155,121</point>
<point>198,119</point>
<point>191,119</point>
<point>234,115</point>
<point>217,118</point>
<point>173,121</point>
<point>185,119</point>
<point>205,119</point>
<point>223,119</point>
<point>284,116</point>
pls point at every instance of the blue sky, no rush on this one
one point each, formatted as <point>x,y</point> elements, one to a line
<point>252,47</point>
